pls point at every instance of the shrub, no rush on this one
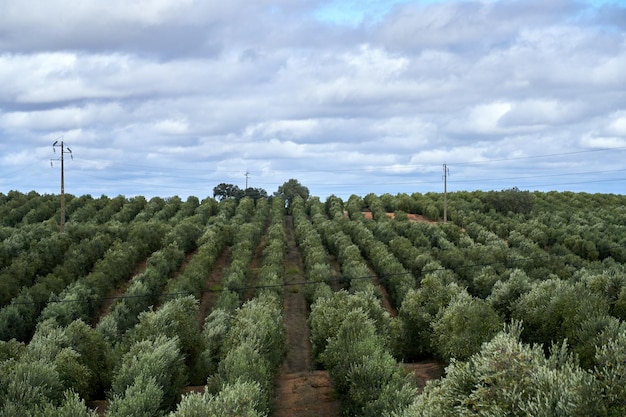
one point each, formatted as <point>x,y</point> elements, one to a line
<point>610,370</point>
<point>142,398</point>
<point>30,384</point>
<point>177,318</point>
<point>554,310</point>
<point>509,378</point>
<point>160,359</point>
<point>418,312</point>
<point>240,399</point>
<point>259,323</point>
<point>364,374</point>
<point>504,294</point>
<point>328,313</point>
<point>463,326</point>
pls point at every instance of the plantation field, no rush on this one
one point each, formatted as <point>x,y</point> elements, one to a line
<point>372,306</point>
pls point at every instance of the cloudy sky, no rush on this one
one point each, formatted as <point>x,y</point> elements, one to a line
<point>172,97</point>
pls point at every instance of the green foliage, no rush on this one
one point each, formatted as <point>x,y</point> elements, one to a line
<point>510,378</point>
<point>364,373</point>
<point>292,189</point>
<point>250,343</point>
<point>504,294</point>
<point>77,351</point>
<point>142,398</point>
<point>554,310</point>
<point>71,406</point>
<point>259,323</point>
<point>511,200</point>
<point>11,350</point>
<point>30,384</point>
<point>223,191</point>
<point>245,363</point>
<point>610,372</point>
<point>239,399</point>
<point>176,319</point>
<point>419,311</point>
<point>157,361</point>
<point>328,313</point>
<point>214,332</point>
<point>463,326</point>
<point>552,260</point>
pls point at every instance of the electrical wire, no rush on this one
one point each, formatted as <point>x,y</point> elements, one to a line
<point>339,279</point>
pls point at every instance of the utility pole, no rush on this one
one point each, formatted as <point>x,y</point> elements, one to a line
<point>446,172</point>
<point>64,149</point>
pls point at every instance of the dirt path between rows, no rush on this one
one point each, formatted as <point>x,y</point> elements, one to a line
<point>300,391</point>
<point>253,271</point>
<point>211,292</point>
<point>116,293</point>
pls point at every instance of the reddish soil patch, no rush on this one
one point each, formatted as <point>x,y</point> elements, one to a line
<point>210,294</point>
<point>386,300</point>
<point>305,394</point>
<point>99,406</point>
<point>423,372</point>
<point>300,392</point>
<point>412,217</point>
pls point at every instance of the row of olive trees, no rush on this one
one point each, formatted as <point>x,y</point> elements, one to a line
<point>18,319</point>
<point>154,362</point>
<point>83,298</point>
<point>245,347</point>
<point>350,332</point>
<point>270,276</point>
<point>536,277</point>
<point>147,286</point>
<point>248,225</point>
<point>52,375</point>
<point>30,252</point>
<point>78,250</point>
<point>508,377</point>
<point>214,238</point>
<point>350,336</point>
<point>318,270</point>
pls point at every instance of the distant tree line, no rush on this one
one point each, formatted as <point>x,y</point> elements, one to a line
<point>288,191</point>
<point>230,191</point>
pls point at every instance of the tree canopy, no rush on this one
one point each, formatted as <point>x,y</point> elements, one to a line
<point>290,189</point>
<point>224,191</point>
<point>511,200</point>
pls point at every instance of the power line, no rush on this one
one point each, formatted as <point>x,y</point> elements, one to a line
<point>339,279</point>
<point>376,168</point>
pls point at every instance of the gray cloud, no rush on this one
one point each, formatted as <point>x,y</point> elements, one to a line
<point>172,97</point>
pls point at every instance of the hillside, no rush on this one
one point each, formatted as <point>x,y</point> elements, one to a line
<point>244,307</point>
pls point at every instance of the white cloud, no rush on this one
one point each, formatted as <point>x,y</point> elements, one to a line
<point>618,125</point>
<point>206,89</point>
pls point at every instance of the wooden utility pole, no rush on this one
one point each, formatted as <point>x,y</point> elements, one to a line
<point>64,149</point>
<point>446,171</point>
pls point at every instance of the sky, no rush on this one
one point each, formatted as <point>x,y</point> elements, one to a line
<point>173,97</point>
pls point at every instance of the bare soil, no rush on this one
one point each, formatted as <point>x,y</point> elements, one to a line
<point>211,292</point>
<point>119,291</point>
<point>424,371</point>
<point>253,271</point>
<point>412,217</point>
<point>300,391</point>
<point>386,300</point>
